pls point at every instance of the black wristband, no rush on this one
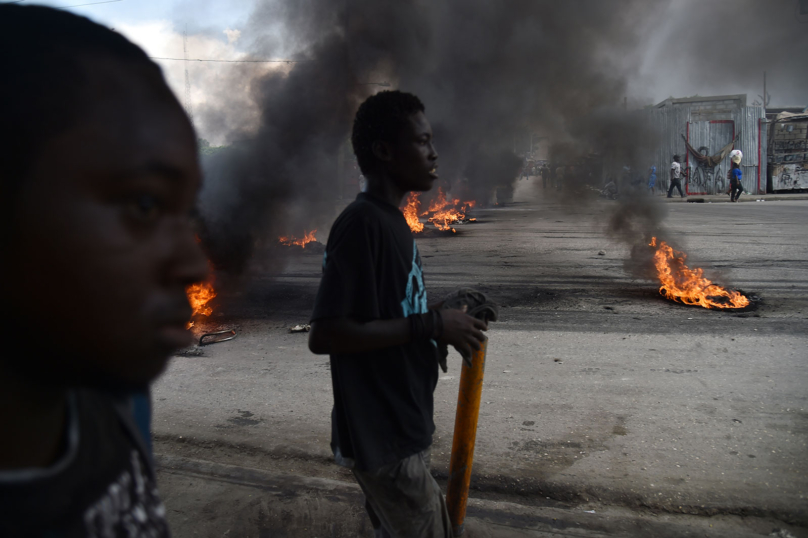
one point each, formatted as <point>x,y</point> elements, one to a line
<point>416,327</point>
<point>438,324</point>
<point>422,326</point>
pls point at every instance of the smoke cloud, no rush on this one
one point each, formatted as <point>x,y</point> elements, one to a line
<point>488,73</point>
<point>719,47</point>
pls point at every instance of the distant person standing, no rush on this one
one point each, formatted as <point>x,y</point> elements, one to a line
<point>545,175</point>
<point>651,180</point>
<point>735,175</point>
<point>559,174</point>
<point>676,176</point>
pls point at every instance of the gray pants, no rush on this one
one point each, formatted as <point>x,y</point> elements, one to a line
<point>404,501</point>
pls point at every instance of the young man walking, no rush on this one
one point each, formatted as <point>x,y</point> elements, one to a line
<point>99,175</point>
<point>371,316</point>
<point>676,175</point>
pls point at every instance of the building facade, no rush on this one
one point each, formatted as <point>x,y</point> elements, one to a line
<point>788,150</point>
<point>700,127</point>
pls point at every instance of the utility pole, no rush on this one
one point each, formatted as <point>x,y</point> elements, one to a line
<point>765,95</point>
<point>188,109</point>
<point>769,132</point>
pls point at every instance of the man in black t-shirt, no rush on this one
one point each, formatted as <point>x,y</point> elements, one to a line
<point>99,174</point>
<point>371,316</point>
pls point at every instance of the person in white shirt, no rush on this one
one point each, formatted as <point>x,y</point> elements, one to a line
<point>676,174</point>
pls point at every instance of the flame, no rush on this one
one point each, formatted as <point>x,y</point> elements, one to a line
<point>308,237</point>
<point>447,212</point>
<point>410,210</point>
<point>688,286</point>
<point>438,203</point>
<point>200,294</point>
<point>444,212</point>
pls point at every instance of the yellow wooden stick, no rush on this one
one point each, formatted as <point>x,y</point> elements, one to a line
<point>465,434</point>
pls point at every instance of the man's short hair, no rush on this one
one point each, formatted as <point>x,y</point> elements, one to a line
<point>676,158</point>
<point>381,118</point>
<point>45,86</point>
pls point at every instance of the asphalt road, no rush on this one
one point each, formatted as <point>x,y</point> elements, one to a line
<point>598,393</point>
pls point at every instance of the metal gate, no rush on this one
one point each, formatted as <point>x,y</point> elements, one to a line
<point>708,137</point>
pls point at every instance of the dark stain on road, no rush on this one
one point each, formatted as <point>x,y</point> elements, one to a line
<point>243,419</point>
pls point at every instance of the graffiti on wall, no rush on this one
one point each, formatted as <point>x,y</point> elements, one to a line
<point>789,151</point>
<point>707,172</point>
<point>790,177</point>
<point>703,177</point>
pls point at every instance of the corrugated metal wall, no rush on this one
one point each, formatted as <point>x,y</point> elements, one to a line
<point>672,123</point>
<point>708,138</point>
<point>753,135</point>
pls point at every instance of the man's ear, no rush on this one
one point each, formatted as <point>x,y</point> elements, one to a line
<point>382,151</point>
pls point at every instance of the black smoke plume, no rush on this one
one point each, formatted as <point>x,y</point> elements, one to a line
<point>490,73</point>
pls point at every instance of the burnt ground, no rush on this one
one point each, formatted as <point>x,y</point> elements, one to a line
<point>598,391</point>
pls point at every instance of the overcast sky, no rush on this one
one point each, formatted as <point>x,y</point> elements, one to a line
<point>724,53</point>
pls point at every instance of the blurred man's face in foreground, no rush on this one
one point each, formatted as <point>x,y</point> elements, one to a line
<point>103,244</point>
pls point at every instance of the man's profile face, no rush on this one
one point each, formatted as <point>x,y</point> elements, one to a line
<point>413,165</point>
<point>104,244</point>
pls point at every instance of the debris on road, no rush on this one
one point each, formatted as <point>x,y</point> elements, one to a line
<point>300,329</point>
<point>193,351</point>
<point>212,337</point>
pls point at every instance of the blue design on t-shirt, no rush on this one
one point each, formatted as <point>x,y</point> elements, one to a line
<point>415,300</point>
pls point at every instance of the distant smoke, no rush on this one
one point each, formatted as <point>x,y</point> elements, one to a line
<point>489,74</point>
<point>724,46</point>
<point>612,144</point>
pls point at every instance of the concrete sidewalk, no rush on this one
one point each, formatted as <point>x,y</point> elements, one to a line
<point>721,198</point>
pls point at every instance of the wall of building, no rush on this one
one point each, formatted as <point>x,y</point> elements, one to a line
<point>693,121</point>
<point>789,155</point>
<point>711,110</point>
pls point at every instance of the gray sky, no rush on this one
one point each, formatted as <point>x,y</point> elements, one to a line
<point>704,47</point>
<point>715,47</point>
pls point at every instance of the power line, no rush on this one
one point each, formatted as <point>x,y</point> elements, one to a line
<point>228,61</point>
<point>90,4</point>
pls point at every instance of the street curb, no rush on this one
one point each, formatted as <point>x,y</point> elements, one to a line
<point>721,199</point>
<point>498,518</point>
